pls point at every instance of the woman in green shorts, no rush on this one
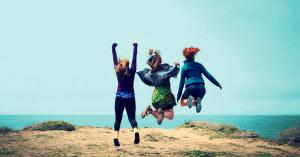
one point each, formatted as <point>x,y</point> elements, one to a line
<point>159,76</point>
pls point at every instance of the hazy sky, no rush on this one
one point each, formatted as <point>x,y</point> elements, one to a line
<point>55,56</point>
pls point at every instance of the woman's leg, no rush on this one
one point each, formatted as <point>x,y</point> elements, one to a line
<point>147,111</point>
<point>156,114</point>
<point>185,96</point>
<point>130,109</point>
<point>184,102</point>
<point>200,95</point>
<point>169,114</point>
<point>119,108</point>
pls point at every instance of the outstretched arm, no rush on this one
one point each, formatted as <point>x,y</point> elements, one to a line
<point>210,77</point>
<point>181,84</point>
<point>114,53</point>
<point>133,65</point>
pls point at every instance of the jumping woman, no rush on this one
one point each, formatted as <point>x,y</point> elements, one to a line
<point>125,93</point>
<point>159,76</point>
<point>191,77</point>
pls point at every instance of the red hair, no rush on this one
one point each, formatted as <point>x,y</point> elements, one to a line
<point>190,52</point>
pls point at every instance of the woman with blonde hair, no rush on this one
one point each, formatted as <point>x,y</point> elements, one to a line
<point>125,98</point>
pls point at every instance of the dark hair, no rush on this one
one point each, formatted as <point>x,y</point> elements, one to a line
<point>154,61</point>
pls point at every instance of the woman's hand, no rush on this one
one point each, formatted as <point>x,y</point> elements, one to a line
<point>220,87</point>
<point>151,51</point>
<point>176,63</point>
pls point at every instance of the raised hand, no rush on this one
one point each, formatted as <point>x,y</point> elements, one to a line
<point>134,44</point>
<point>176,63</point>
<point>220,87</point>
<point>114,45</point>
<point>151,51</point>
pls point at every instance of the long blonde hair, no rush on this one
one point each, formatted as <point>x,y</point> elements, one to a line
<point>122,67</point>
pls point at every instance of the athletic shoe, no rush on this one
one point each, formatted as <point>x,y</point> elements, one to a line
<point>159,121</point>
<point>146,112</point>
<point>136,138</point>
<point>116,142</point>
<point>190,101</point>
<point>199,106</point>
<point>161,113</point>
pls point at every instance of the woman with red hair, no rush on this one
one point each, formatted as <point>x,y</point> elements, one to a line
<point>191,77</point>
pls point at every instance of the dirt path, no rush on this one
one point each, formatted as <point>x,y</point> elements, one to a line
<point>86,141</point>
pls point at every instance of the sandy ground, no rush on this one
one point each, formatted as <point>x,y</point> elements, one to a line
<point>88,141</point>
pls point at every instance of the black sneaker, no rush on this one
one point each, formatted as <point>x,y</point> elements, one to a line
<point>136,138</point>
<point>116,142</point>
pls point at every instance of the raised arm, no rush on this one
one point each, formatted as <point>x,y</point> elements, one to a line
<point>175,70</point>
<point>114,53</point>
<point>210,77</point>
<point>181,84</point>
<point>133,64</point>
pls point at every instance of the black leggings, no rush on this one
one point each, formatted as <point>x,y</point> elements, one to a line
<point>129,105</point>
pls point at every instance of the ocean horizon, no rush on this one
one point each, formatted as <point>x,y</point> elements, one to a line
<point>267,126</point>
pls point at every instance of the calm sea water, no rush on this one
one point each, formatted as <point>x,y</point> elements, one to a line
<point>266,126</point>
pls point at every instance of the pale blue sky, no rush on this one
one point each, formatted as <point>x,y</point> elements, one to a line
<point>55,56</point>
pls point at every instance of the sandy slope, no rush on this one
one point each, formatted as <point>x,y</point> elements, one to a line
<point>87,141</point>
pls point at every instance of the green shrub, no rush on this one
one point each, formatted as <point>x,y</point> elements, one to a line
<point>5,151</point>
<point>228,129</point>
<point>223,130</point>
<point>5,130</point>
<point>246,134</point>
<point>290,136</point>
<point>52,125</point>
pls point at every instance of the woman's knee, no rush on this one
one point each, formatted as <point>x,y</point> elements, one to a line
<point>133,123</point>
<point>170,117</point>
<point>169,114</point>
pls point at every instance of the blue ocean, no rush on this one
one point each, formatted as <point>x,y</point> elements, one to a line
<point>265,126</point>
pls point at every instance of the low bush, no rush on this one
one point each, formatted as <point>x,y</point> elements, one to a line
<point>5,130</point>
<point>52,125</point>
<point>290,136</point>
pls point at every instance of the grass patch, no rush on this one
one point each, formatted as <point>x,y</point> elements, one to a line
<point>262,154</point>
<point>290,136</point>
<point>156,136</point>
<point>61,152</point>
<point>94,146</point>
<point>44,136</point>
<point>199,153</point>
<point>5,130</point>
<point>52,125</point>
<point>5,151</point>
<point>222,130</point>
<point>10,139</point>
<point>228,129</point>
